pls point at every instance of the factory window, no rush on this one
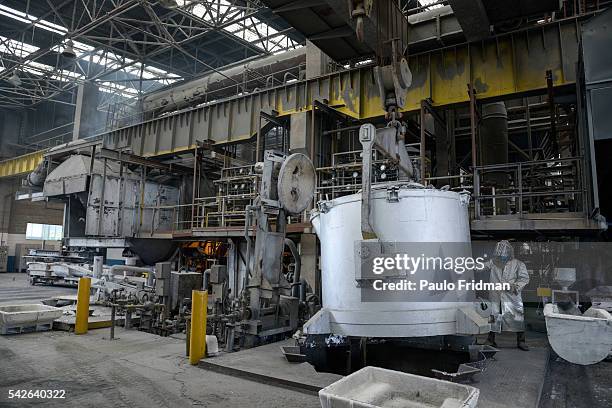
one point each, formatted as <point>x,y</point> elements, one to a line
<point>44,232</point>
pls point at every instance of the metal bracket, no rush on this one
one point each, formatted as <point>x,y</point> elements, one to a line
<point>393,194</point>
<point>465,198</point>
<point>324,206</point>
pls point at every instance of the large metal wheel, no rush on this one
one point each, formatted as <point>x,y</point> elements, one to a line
<point>296,183</point>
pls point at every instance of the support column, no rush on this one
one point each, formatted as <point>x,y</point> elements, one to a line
<point>317,62</point>
<point>197,336</point>
<point>308,254</point>
<point>78,112</point>
<point>301,133</point>
<point>87,119</point>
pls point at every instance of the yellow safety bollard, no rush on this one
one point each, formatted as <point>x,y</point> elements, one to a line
<point>82,311</point>
<point>197,343</point>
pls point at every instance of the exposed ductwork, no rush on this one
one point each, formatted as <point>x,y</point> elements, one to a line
<point>494,142</point>
<point>243,76</point>
<point>38,176</point>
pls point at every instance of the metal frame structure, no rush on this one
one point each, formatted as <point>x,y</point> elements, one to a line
<point>128,47</point>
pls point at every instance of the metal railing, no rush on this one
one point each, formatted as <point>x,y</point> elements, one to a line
<point>511,189</point>
<point>531,187</point>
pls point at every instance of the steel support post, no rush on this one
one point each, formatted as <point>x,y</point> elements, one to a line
<point>422,144</point>
<point>82,312</point>
<point>197,337</point>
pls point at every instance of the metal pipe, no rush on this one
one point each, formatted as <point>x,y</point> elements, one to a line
<point>473,124</point>
<point>112,328</point>
<point>298,267</point>
<point>195,179</point>
<point>335,131</point>
<point>422,144</point>
<point>119,269</point>
<point>286,76</point>
<point>187,335</point>
<point>494,147</point>
<point>247,226</point>
<point>229,341</point>
<point>38,176</point>
<point>98,266</point>
<point>206,280</point>
<point>223,82</point>
<point>30,138</point>
<point>128,319</point>
<point>150,279</point>
<point>302,289</point>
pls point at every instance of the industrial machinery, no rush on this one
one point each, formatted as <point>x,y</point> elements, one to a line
<point>420,215</point>
<point>270,303</point>
<point>56,266</point>
<point>114,200</point>
<point>156,300</point>
<point>111,200</point>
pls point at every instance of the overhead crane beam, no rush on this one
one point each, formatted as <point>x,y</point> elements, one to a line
<point>510,64</point>
<point>21,164</point>
<point>502,66</point>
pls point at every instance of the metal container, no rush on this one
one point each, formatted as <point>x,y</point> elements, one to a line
<point>411,215</point>
<point>580,339</point>
<point>16,319</point>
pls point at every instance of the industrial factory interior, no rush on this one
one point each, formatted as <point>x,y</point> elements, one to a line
<point>306,203</point>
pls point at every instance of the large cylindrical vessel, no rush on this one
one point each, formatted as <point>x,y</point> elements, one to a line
<point>403,215</point>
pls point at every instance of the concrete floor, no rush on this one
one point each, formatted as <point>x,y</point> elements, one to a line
<point>573,386</point>
<point>144,370</point>
<point>136,370</point>
<point>511,369</point>
<point>15,289</point>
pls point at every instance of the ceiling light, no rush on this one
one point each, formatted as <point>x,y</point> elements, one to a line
<point>69,50</point>
<point>171,4</point>
<point>14,79</point>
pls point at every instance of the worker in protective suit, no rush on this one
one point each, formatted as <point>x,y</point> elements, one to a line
<point>504,268</point>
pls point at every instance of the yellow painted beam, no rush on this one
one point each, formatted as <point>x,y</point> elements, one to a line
<point>197,337</point>
<point>501,67</point>
<point>21,164</point>
<point>544,292</point>
<point>82,311</point>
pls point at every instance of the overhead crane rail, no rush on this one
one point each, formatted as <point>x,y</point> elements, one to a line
<point>21,164</point>
<point>510,64</point>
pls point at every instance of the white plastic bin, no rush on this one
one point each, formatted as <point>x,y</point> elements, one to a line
<point>373,387</point>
